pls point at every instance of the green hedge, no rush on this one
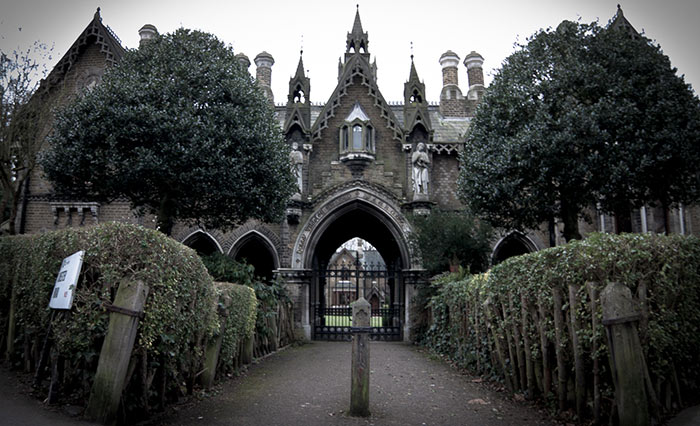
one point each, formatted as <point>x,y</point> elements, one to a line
<point>180,313</point>
<point>274,322</point>
<point>240,307</point>
<point>502,323</point>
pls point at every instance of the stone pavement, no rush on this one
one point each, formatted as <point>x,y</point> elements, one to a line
<point>310,385</point>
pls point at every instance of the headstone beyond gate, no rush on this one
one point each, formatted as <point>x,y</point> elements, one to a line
<point>359,391</point>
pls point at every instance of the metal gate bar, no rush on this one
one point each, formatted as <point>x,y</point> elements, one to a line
<point>339,285</point>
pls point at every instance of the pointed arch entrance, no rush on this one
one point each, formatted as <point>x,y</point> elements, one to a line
<point>358,212</point>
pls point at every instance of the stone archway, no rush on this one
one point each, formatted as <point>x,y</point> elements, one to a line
<point>357,211</point>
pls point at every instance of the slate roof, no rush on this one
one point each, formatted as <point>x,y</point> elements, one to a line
<point>452,129</point>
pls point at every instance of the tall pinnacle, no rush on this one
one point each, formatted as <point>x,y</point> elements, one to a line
<point>300,66</point>
<point>357,25</point>
<point>357,38</point>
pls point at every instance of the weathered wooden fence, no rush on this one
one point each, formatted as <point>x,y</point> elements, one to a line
<point>539,323</point>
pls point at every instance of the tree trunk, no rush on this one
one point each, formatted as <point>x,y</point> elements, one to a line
<point>623,221</point>
<point>570,218</point>
<point>166,211</point>
<point>552,232</point>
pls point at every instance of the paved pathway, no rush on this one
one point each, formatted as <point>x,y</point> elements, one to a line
<point>310,385</point>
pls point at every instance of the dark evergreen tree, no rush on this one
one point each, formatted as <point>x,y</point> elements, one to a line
<point>581,116</point>
<point>448,239</point>
<point>181,130</point>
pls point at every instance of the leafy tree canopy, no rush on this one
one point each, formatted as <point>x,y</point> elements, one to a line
<point>180,129</point>
<point>446,238</point>
<point>581,116</point>
<point>21,124</point>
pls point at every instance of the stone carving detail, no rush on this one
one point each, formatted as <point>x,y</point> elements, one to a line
<point>297,160</point>
<point>421,179</point>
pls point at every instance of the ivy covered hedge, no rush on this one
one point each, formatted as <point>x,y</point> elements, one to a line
<point>180,311</point>
<point>274,325</point>
<point>531,318</point>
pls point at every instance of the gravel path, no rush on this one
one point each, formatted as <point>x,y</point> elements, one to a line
<point>310,385</point>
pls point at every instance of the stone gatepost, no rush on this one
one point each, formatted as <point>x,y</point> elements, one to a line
<point>359,386</point>
<point>412,278</point>
<point>297,282</point>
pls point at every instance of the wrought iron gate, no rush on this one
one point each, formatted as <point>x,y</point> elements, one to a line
<point>341,283</point>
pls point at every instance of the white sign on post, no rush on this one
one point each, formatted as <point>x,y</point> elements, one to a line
<point>63,290</point>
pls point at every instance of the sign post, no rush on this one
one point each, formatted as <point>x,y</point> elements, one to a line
<point>64,288</point>
<point>61,299</point>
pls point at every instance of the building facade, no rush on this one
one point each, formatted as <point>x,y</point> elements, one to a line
<point>363,167</point>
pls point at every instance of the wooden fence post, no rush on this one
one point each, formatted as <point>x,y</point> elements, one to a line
<point>116,352</point>
<point>620,317</point>
<point>359,390</point>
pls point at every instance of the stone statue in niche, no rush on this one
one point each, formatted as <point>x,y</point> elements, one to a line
<point>297,160</point>
<point>421,163</point>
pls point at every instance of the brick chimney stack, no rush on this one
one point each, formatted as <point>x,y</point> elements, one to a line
<point>475,73</point>
<point>452,103</point>
<point>449,62</point>
<point>243,60</point>
<point>263,73</point>
<point>147,32</point>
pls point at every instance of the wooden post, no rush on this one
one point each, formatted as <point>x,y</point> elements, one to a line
<point>116,352</point>
<point>593,296</point>
<point>12,321</point>
<point>620,317</point>
<point>559,347</point>
<point>580,378</point>
<point>359,386</point>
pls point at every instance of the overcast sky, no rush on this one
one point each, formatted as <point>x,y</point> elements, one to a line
<point>490,27</point>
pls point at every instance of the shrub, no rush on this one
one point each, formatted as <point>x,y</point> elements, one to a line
<point>502,323</point>
<point>179,311</point>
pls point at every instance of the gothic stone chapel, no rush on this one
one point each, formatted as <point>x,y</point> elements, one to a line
<point>362,166</point>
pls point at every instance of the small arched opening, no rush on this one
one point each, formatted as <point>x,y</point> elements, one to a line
<point>256,250</point>
<point>203,243</point>
<point>513,244</point>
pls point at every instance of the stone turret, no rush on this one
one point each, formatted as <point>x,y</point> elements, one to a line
<point>451,99</point>
<point>263,73</point>
<point>475,74</point>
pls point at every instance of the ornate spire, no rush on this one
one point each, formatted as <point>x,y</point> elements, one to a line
<point>357,38</point>
<point>300,66</point>
<point>298,115</point>
<point>415,107</point>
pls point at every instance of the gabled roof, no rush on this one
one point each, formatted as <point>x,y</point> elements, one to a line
<point>620,22</point>
<point>95,33</point>
<point>356,66</point>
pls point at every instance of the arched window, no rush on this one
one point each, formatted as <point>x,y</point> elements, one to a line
<point>356,137</point>
<point>369,145</point>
